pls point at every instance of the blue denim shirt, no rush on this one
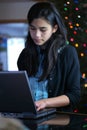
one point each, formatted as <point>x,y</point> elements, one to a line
<point>39,89</point>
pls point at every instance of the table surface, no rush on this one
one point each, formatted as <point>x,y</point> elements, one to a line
<point>58,121</point>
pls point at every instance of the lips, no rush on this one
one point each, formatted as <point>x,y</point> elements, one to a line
<point>37,40</point>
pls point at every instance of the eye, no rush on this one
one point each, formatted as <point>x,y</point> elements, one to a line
<point>43,29</point>
<point>32,28</point>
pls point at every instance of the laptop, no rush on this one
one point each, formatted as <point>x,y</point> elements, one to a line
<point>16,99</point>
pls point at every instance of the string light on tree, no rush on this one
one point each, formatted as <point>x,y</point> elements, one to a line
<point>73,18</point>
<point>74,13</point>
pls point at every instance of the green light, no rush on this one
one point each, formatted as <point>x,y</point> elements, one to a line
<point>65,9</point>
<point>84,126</point>
<point>67,42</point>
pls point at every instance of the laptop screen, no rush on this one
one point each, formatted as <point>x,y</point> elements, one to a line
<point>15,93</point>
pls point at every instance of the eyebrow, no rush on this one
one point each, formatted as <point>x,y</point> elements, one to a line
<point>39,27</point>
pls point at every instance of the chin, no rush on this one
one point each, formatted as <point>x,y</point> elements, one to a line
<point>39,44</point>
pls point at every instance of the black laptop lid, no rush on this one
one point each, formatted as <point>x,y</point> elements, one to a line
<point>15,93</point>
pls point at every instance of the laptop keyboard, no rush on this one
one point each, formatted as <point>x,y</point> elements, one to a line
<point>26,114</point>
<point>14,115</point>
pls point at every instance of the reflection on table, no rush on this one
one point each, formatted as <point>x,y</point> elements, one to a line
<point>58,121</point>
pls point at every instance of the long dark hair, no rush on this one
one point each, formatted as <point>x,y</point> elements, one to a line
<point>30,63</point>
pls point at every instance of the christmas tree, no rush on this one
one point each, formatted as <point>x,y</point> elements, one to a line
<point>74,14</point>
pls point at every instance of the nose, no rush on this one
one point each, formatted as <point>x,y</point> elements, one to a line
<point>38,33</point>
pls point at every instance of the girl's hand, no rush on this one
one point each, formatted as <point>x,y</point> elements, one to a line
<point>41,104</point>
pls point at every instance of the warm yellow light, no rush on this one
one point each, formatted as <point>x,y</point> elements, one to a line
<point>77,24</point>
<point>85,85</point>
<point>76,45</point>
<point>82,54</point>
<point>71,26</point>
<point>83,75</point>
<point>66,17</point>
<point>68,2</point>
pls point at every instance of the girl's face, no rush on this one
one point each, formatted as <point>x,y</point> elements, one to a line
<point>41,31</point>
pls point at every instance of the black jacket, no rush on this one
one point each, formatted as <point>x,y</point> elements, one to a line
<point>65,77</point>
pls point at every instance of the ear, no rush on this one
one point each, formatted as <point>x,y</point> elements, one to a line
<point>55,28</point>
